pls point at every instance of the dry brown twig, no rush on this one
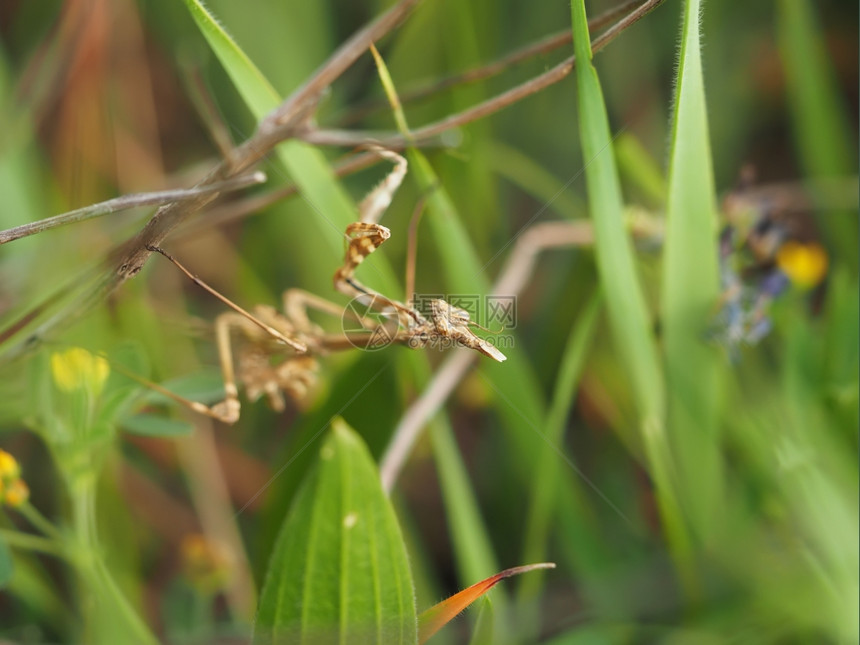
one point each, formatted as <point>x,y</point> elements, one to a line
<point>281,124</point>
<point>293,119</point>
<point>542,46</point>
<point>511,282</point>
<point>126,202</point>
<point>278,351</point>
<point>626,14</point>
<point>512,279</point>
<point>427,132</point>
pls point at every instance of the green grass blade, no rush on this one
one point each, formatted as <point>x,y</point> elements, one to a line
<point>821,121</point>
<point>547,481</point>
<point>822,129</point>
<point>624,299</point>
<point>253,87</point>
<point>465,274</point>
<point>7,566</point>
<point>473,548</point>
<point>483,633</point>
<point>823,494</point>
<point>516,390</point>
<point>331,206</point>
<point>532,178</point>
<point>842,353</point>
<point>640,168</point>
<point>339,571</point>
<point>518,400</point>
<point>472,545</point>
<point>690,289</point>
<point>625,303</point>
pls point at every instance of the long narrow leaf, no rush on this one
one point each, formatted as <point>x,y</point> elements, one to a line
<point>331,206</point>
<point>625,302</point>
<point>484,633</point>
<point>624,299</point>
<point>472,545</point>
<point>691,287</point>
<point>433,619</point>
<point>825,138</point>
<point>549,464</point>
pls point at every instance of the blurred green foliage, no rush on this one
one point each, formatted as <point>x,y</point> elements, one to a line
<point>95,103</point>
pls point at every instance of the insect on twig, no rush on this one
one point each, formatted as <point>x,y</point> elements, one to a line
<point>280,350</point>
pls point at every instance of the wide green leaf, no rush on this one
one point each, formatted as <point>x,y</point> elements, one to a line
<point>339,570</point>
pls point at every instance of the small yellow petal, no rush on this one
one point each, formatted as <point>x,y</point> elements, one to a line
<point>804,264</point>
<point>76,368</point>
<point>17,493</point>
<point>9,467</point>
<point>207,565</point>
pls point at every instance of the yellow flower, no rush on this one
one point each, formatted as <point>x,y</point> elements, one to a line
<point>76,368</point>
<point>207,564</point>
<point>17,493</point>
<point>804,264</point>
<point>9,467</point>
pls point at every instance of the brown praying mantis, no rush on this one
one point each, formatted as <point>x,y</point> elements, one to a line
<point>280,349</point>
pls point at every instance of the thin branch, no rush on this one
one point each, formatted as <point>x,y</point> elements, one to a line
<point>206,108</point>
<point>280,125</point>
<point>291,120</point>
<point>545,45</point>
<point>515,274</point>
<point>240,209</point>
<point>218,216</point>
<point>482,110</point>
<point>538,238</point>
<point>126,202</point>
<point>419,413</point>
<point>632,18</point>
<point>30,542</point>
<point>339,62</point>
<point>629,12</point>
<point>211,499</point>
<point>511,282</point>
